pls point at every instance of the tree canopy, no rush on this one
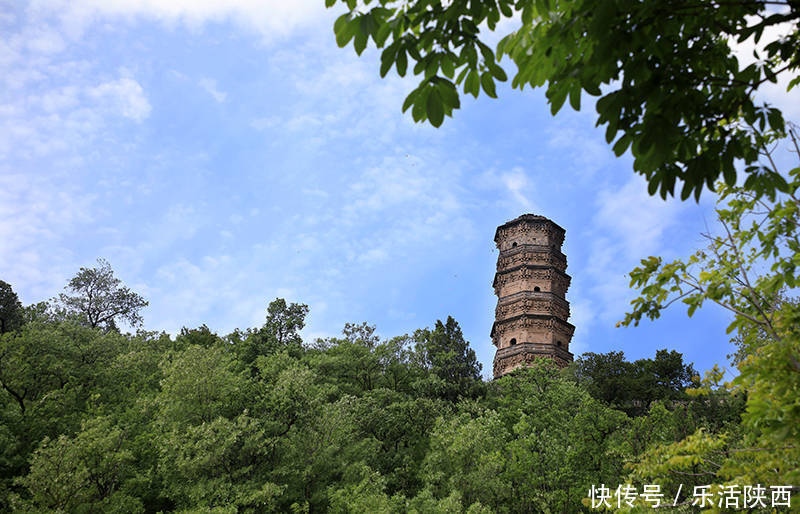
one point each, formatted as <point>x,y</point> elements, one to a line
<point>257,420</point>
<point>100,299</point>
<point>633,386</point>
<point>670,87</point>
<point>11,314</point>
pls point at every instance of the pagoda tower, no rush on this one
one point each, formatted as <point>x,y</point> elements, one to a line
<point>531,285</point>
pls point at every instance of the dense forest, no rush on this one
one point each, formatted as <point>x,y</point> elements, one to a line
<point>93,419</point>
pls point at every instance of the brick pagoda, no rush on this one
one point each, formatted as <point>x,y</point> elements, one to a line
<point>530,284</point>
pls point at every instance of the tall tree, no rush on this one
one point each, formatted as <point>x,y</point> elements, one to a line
<point>633,386</point>
<point>281,331</point>
<point>454,370</point>
<point>350,362</point>
<point>669,83</point>
<point>100,299</point>
<point>285,321</point>
<point>10,309</point>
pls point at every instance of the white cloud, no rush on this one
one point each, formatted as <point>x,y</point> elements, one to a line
<point>44,40</point>
<point>34,215</point>
<point>124,95</point>
<point>268,18</point>
<point>628,225</point>
<point>635,220</point>
<point>315,192</point>
<point>303,122</point>
<point>266,122</point>
<point>513,189</point>
<point>60,99</point>
<point>569,134</point>
<point>210,87</point>
<point>517,183</point>
<point>373,256</point>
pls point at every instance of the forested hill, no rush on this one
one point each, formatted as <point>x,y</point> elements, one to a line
<point>93,419</point>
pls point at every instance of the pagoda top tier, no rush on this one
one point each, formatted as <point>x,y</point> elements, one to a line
<point>527,222</point>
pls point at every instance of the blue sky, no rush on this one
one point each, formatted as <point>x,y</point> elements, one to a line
<point>220,155</point>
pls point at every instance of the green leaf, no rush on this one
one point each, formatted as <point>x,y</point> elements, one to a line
<point>575,98</point>
<point>729,175</point>
<point>488,84</point>
<point>435,110</point>
<point>388,58</point>
<point>422,64</point>
<point>432,67</point>
<point>418,112</point>
<point>462,74</point>
<point>775,119</point>
<point>592,89</point>
<point>486,52</point>
<point>360,42</point>
<point>448,66</point>
<point>557,96</point>
<point>472,84</point>
<point>402,62</point>
<point>410,100</point>
<point>498,73</point>
<point>621,145</point>
<point>382,34</point>
<point>449,94</point>
<point>344,29</point>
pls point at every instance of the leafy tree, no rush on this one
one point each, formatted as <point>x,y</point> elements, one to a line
<point>41,311</point>
<point>208,444</point>
<point>350,363</point>
<point>454,371</point>
<point>607,376</point>
<point>99,299</point>
<point>401,426</point>
<point>368,495</point>
<point>199,385</point>
<point>311,438</point>
<point>200,336</point>
<point>86,473</point>
<point>51,374</point>
<point>285,321</point>
<point>281,332</point>
<point>400,366</point>
<point>633,386</point>
<point>539,447</point>
<point>219,465</point>
<point>11,314</point>
<point>668,376</point>
<point>750,269</point>
<point>42,366</point>
<point>667,78</point>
